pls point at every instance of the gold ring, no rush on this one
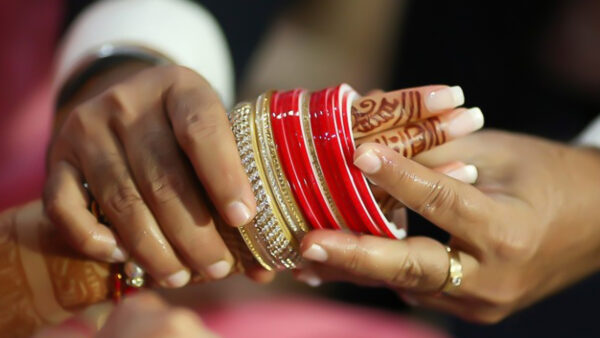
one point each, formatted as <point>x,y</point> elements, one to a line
<point>455,271</point>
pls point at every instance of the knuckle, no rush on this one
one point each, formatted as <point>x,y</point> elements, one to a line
<point>198,127</point>
<point>358,256</point>
<point>409,273</point>
<point>166,187</point>
<point>512,244</point>
<point>439,198</point>
<point>117,101</point>
<point>124,200</point>
<point>79,122</point>
<point>55,207</point>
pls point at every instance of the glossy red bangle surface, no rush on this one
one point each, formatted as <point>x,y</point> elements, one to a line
<point>331,159</point>
<point>284,115</point>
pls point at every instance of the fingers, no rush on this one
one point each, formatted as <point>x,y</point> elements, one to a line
<point>454,206</point>
<point>66,205</point>
<point>116,192</point>
<point>416,263</point>
<point>381,111</point>
<point>173,195</point>
<point>204,133</point>
<point>414,138</point>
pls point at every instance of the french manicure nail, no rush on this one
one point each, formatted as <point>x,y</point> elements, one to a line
<point>315,253</point>
<point>119,254</point>
<point>238,213</point>
<point>309,278</point>
<point>368,162</point>
<point>178,279</point>
<point>465,122</point>
<point>446,98</point>
<point>467,174</point>
<point>218,270</point>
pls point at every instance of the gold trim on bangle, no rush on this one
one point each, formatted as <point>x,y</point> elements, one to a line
<point>314,159</point>
<point>266,236</point>
<point>276,178</point>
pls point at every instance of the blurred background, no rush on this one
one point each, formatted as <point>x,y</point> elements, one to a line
<point>532,66</point>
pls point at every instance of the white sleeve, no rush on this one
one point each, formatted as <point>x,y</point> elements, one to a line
<point>590,135</point>
<point>180,30</point>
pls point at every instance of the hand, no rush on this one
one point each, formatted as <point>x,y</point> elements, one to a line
<point>528,228</point>
<point>143,315</point>
<point>144,145</point>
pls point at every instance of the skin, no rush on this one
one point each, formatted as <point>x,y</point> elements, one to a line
<point>155,146</point>
<point>520,236</point>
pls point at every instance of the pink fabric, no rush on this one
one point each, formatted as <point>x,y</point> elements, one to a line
<point>304,318</point>
<point>28,34</point>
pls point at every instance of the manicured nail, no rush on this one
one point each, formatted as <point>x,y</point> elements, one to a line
<point>218,270</point>
<point>309,278</point>
<point>446,98</point>
<point>368,162</point>
<point>238,214</point>
<point>178,279</point>
<point>465,122</point>
<point>467,174</point>
<point>315,253</point>
<point>119,254</point>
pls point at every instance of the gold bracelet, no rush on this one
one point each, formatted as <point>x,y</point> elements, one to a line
<point>266,236</point>
<point>276,179</point>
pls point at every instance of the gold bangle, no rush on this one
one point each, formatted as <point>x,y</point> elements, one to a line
<point>276,179</point>
<point>266,235</point>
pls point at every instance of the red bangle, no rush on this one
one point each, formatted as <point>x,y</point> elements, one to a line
<point>283,114</point>
<point>329,153</point>
<point>384,226</point>
<point>356,189</point>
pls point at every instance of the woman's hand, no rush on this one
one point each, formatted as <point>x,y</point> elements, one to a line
<point>156,150</point>
<point>143,315</point>
<point>529,227</point>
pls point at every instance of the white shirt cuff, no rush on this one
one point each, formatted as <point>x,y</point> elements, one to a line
<point>180,30</point>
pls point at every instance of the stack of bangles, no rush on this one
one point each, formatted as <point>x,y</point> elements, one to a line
<point>297,149</point>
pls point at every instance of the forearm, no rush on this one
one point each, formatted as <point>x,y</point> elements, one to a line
<point>43,280</point>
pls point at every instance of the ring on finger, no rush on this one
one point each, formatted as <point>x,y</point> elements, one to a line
<point>455,271</point>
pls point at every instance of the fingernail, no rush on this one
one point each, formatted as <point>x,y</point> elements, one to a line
<point>178,279</point>
<point>238,214</point>
<point>119,254</point>
<point>446,98</point>
<point>368,162</point>
<point>465,122</point>
<point>315,253</point>
<point>409,299</point>
<point>309,278</point>
<point>218,270</point>
<point>467,174</point>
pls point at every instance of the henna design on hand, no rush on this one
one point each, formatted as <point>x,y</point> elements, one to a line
<point>18,317</point>
<point>77,281</point>
<point>412,139</point>
<point>380,112</point>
